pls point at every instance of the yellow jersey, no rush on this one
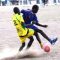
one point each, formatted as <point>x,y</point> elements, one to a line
<point>18,19</point>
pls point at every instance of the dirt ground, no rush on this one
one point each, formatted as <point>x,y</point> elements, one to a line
<point>9,40</point>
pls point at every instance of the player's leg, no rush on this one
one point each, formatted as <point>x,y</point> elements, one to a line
<point>45,36</point>
<point>38,39</point>
<point>22,40</point>
<point>30,42</point>
<point>30,36</point>
<point>22,46</point>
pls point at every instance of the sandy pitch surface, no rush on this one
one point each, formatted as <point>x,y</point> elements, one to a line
<point>9,41</point>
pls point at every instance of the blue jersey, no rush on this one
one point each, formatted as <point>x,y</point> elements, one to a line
<point>28,17</point>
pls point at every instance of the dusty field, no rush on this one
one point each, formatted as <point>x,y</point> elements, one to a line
<point>9,41</point>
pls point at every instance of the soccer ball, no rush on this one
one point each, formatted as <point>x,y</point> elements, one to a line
<point>46,48</point>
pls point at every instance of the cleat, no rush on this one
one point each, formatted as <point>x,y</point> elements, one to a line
<point>53,41</point>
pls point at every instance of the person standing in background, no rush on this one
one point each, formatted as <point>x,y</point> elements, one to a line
<point>44,2</point>
<point>3,2</point>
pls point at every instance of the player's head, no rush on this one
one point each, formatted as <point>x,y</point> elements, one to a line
<point>35,8</point>
<point>16,10</point>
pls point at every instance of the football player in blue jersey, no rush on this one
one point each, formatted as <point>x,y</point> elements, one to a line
<point>29,17</point>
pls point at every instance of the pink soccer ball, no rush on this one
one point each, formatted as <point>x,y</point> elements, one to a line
<point>46,48</point>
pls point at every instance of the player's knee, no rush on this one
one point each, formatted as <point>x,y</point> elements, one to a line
<point>31,39</point>
<point>23,44</point>
<point>35,33</point>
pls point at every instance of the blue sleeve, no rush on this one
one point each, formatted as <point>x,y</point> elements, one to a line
<point>35,18</point>
<point>22,11</point>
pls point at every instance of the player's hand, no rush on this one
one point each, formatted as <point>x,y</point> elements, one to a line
<point>45,26</point>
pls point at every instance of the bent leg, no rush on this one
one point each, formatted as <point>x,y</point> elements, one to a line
<point>22,46</point>
<point>43,34</point>
<point>38,39</point>
<point>22,40</point>
<point>30,42</point>
<point>52,41</point>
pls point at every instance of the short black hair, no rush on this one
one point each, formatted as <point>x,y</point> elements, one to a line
<point>16,10</point>
<point>35,8</point>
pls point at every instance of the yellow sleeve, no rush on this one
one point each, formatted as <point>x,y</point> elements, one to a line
<point>21,18</point>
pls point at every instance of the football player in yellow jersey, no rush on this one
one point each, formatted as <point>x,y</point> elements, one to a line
<point>22,31</point>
